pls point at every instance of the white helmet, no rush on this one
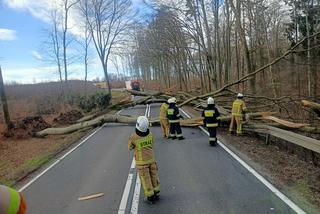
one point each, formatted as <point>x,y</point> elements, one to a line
<point>240,95</point>
<point>142,123</point>
<point>172,100</point>
<point>210,101</point>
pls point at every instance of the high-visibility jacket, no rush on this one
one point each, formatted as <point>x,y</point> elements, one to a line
<point>238,107</point>
<point>173,114</point>
<point>211,116</point>
<point>143,148</point>
<point>9,200</point>
<point>163,111</point>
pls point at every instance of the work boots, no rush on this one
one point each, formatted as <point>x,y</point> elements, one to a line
<point>213,143</point>
<point>151,199</point>
<point>181,138</point>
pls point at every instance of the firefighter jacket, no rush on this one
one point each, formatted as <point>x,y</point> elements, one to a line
<point>163,111</point>
<point>173,114</point>
<point>142,144</point>
<point>211,116</point>
<point>238,107</point>
<point>10,200</point>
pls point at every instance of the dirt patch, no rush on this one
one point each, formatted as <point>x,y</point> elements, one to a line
<point>300,178</point>
<point>26,127</point>
<point>68,118</point>
<point>20,157</point>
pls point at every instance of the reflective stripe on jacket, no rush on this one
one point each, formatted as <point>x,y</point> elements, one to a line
<point>143,148</point>
<point>163,111</point>
<point>211,116</point>
<point>173,114</point>
<point>9,200</point>
<point>238,107</point>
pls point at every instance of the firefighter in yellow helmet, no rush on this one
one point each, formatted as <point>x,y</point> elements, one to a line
<point>174,117</point>
<point>238,112</point>
<point>11,201</point>
<point>211,120</point>
<point>142,143</point>
<point>164,120</point>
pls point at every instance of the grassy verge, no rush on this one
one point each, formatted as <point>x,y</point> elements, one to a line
<point>29,165</point>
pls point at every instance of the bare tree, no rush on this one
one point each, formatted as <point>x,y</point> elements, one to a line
<point>67,5</point>
<point>52,46</point>
<point>108,21</point>
<point>4,102</point>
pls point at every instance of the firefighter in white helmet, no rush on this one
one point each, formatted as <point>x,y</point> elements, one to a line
<point>238,113</point>
<point>142,143</point>
<point>174,117</point>
<point>211,120</point>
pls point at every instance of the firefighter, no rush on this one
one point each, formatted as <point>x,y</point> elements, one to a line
<point>174,116</point>
<point>142,143</point>
<point>11,201</point>
<point>238,113</point>
<point>164,120</point>
<point>211,120</point>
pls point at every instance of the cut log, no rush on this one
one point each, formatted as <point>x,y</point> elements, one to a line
<point>285,123</point>
<point>95,122</point>
<point>144,93</point>
<point>314,106</point>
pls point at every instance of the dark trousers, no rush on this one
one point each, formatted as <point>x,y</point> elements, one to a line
<point>213,134</point>
<point>175,130</point>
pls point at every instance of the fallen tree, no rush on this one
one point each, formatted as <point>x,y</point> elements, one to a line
<point>314,106</point>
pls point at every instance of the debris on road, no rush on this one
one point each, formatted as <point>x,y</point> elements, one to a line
<point>89,197</point>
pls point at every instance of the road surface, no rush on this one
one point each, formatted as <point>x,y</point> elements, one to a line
<point>194,177</point>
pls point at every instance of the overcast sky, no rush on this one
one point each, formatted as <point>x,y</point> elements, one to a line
<point>22,24</point>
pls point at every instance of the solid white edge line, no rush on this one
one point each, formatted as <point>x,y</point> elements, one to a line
<point>273,189</point>
<point>60,159</point>
<point>57,161</point>
<point>126,191</point>
<point>136,196</point>
<point>127,188</point>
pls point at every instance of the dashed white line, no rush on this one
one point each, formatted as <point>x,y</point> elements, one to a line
<point>126,192</point>
<point>273,189</point>
<point>127,188</point>
<point>136,197</point>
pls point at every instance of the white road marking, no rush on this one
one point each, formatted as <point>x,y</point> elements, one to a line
<point>57,161</point>
<point>126,192</point>
<point>136,197</point>
<point>273,189</point>
<point>127,188</point>
<point>60,159</point>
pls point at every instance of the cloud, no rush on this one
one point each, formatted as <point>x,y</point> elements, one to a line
<point>36,55</point>
<point>7,34</point>
<point>42,10</point>
<point>47,73</point>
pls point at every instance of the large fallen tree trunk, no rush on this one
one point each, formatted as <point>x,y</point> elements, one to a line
<point>95,122</point>
<point>314,106</point>
<point>144,93</point>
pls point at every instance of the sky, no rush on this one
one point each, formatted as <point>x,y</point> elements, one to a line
<point>22,33</point>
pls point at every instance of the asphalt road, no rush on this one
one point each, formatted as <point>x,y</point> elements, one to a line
<point>194,177</point>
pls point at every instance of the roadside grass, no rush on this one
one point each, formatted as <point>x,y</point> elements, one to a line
<point>17,174</point>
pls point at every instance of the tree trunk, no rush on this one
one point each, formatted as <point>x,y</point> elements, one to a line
<point>4,102</point>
